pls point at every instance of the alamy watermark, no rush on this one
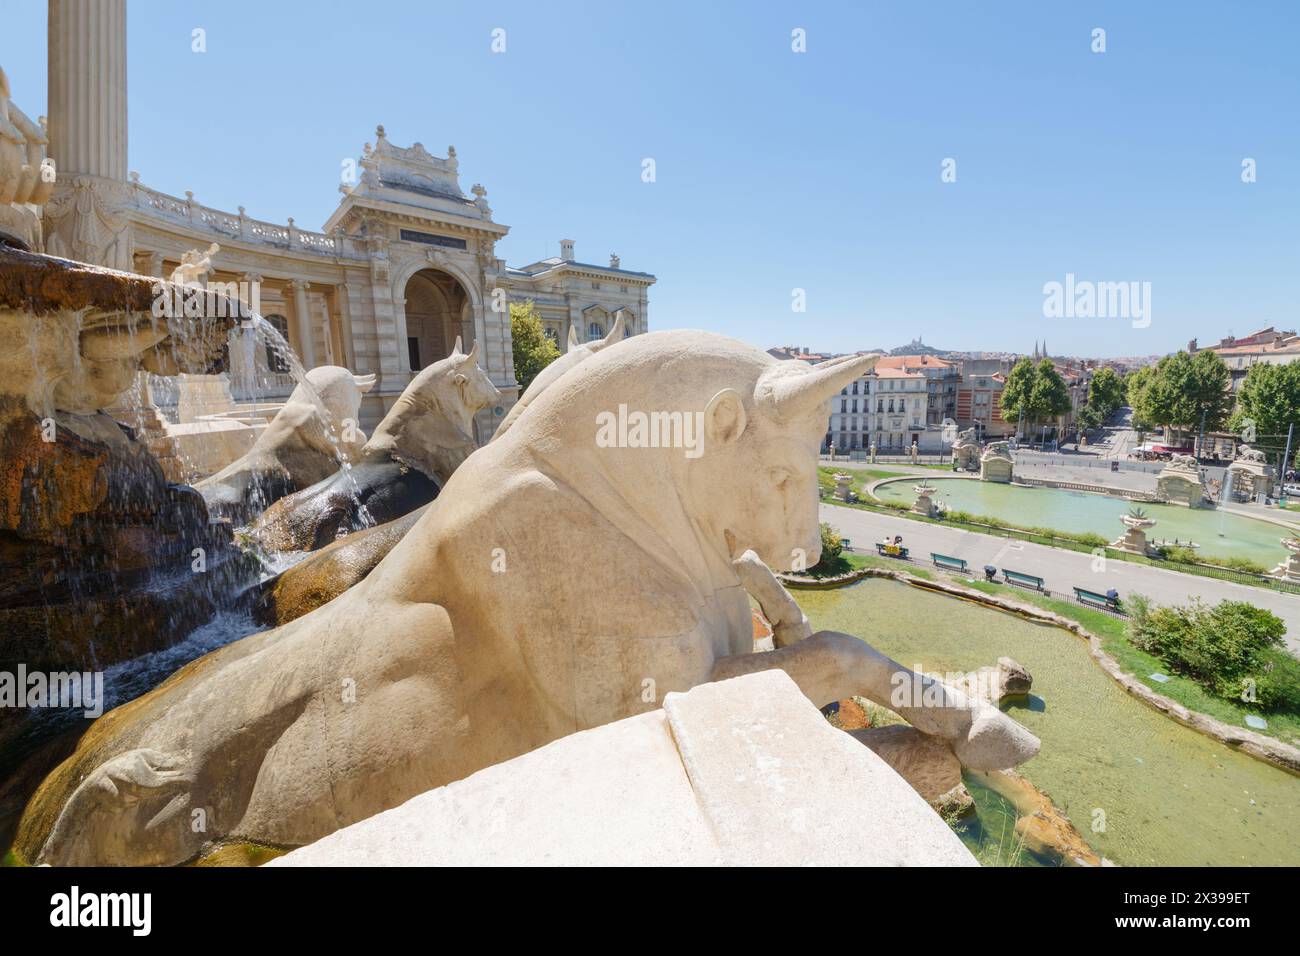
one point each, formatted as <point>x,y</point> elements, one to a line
<point>637,429</point>
<point>217,300</point>
<point>1084,299</point>
<point>57,689</point>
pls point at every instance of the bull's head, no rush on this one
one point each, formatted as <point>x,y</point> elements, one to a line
<point>755,485</point>
<point>434,418</point>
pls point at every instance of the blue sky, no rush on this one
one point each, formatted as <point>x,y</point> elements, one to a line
<point>776,170</point>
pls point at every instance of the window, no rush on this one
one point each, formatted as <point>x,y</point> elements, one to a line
<point>413,351</point>
<point>595,331</point>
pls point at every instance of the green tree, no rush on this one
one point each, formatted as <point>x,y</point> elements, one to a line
<point>1180,389</point>
<point>1015,394</point>
<point>1034,393</point>
<point>1089,417</point>
<point>1050,395</point>
<point>1105,391</point>
<point>1269,403</point>
<point>533,350</point>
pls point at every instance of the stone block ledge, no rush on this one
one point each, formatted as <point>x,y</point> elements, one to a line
<point>738,772</point>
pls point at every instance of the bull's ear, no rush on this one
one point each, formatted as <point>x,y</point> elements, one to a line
<point>725,418</point>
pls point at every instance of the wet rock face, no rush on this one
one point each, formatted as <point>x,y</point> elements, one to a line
<point>88,527</point>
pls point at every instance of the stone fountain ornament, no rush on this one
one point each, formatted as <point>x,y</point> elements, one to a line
<point>1289,569</point>
<point>924,504</point>
<point>996,463</point>
<point>1134,539</point>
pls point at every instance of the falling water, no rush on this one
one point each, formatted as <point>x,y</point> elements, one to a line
<point>270,338</point>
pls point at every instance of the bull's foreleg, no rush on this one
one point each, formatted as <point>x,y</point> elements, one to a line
<point>789,625</point>
<point>830,665</point>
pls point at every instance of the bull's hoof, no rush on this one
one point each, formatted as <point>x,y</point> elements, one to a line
<point>133,809</point>
<point>993,741</point>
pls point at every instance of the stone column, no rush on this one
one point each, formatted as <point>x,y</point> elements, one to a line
<point>403,349</point>
<point>87,88</point>
<point>302,318</point>
<point>327,330</point>
<point>343,296</point>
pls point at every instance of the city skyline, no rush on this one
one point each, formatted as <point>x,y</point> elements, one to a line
<point>805,181</point>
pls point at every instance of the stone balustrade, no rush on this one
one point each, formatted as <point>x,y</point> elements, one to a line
<point>239,225</point>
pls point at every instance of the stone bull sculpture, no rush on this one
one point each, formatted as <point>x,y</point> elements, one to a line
<point>424,437</point>
<point>298,448</point>
<point>570,575</point>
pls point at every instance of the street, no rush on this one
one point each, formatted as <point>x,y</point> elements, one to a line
<point>1062,570</point>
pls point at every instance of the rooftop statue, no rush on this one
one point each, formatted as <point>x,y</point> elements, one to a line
<point>297,449</point>
<point>425,436</point>
<point>193,265</point>
<point>569,575</point>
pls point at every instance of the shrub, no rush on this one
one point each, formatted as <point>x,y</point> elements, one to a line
<point>832,561</point>
<point>1277,683</point>
<point>1220,647</point>
<point>1181,555</point>
<point>832,543</point>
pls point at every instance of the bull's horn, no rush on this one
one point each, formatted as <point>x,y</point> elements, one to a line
<point>573,338</point>
<point>365,382</point>
<point>615,333</point>
<point>472,358</point>
<point>455,349</point>
<point>790,394</point>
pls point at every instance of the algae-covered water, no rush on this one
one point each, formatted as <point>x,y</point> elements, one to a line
<point>1218,533</point>
<point>1142,789</point>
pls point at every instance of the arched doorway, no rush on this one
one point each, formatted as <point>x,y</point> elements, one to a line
<point>437,310</point>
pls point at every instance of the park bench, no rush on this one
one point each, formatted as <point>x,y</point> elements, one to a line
<point>948,561</point>
<point>891,550</point>
<point>1104,601</point>
<point>1024,580</point>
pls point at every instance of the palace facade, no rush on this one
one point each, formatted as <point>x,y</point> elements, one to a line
<point>406,263</point>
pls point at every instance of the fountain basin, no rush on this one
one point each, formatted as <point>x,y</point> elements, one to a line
<point>1082,512</point>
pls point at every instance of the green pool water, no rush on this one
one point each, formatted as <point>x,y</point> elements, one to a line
<point>1219,534</point>
<point>1170,796</point>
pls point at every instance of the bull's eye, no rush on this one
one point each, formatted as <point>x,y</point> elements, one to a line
<point>780,477</point>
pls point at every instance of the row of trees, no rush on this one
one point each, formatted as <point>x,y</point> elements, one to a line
<point>1268,403</point>
<point>1182,392</point>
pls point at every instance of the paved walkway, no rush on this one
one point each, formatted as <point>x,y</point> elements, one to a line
<point>1061,569</point>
